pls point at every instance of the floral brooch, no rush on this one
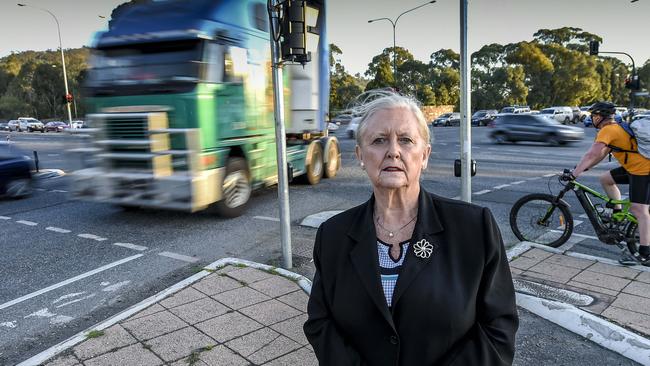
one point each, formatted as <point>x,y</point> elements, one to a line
<point>423,249</point>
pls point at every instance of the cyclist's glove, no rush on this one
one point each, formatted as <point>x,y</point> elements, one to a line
<point>567,176</point>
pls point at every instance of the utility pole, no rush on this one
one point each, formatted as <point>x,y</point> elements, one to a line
<point>466,162</point>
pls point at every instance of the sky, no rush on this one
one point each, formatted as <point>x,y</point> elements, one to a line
<point>624,26</point>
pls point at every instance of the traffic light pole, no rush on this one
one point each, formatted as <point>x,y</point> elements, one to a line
<point>634,76</point>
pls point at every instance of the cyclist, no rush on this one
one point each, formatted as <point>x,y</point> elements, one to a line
<point>610,138</point>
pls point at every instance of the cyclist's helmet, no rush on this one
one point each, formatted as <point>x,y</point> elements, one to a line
<point>605,109</point>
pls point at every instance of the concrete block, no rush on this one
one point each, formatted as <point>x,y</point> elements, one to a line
<point>227,269</point>
<point>240,297</point>
<point>275,286</point>
<point>292,328</point>
<point>182,297</point>
<point>567,261</point>
<point>536,253</point>
<point>64,361</point>
<point>303,357</point>
<point>148,311</point>
<point>179,344</point>
<point>114,337</point>
<point>561,273</point>
<point>154,325</point>
<point>524,263</point>
<point>297,299</point>
<point>199,310</point>
<point>634,303</point>
<point>216,283</point>
<point>270,312</point>
<point>222,356</point>
<point>134,355</point>
<point>630,319</point>
<point>514,271</point>
<point>601,280</point>
<point>643,277</point>
<point>598,289</point>
<point>618,271</point>
<point>536,277</point>
<point>249,275</point>
<point>228,326</point>
<point>262,345</point>
<point>638,288</point>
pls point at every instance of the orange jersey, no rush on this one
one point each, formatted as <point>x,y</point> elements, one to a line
<point>614,135</point>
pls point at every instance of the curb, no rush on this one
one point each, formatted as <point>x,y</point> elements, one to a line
<point>49,353</point>
<point>585,324</point>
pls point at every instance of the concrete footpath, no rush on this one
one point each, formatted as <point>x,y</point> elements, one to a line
<point>242,313</point>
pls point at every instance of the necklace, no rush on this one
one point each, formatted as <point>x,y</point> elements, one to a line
<point>391,233</point>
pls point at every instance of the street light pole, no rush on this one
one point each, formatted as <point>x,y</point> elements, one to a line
<point>394,24</point>
<point>65,76</point>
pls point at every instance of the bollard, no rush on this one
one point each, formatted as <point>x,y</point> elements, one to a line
<point>36,160</point>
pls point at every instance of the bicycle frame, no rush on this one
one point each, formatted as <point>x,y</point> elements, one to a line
<point>604,233</point>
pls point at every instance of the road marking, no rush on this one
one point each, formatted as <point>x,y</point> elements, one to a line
<point>59,191</point>
<point>266,218</point>
<point>518,182</point>
<point>502,186</point>
<point>40,189</point>
<point>68,296</point>
<point>57,230</point>
<point>43,313</point>
<point>5,218</point>
<point>482,192</point>
<point>534,178</point>
<point>76,300</point>
<point>139,248</point>
<point>180,257</point>
<point>548,175</point>
<point>92,237</point>
<point>28,223</point>
<point>69,281</point>
<point>11,325</point>
<point>116,286</point>
<point>52,154</point>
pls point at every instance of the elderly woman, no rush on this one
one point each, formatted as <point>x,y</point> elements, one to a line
<point>408,278</point>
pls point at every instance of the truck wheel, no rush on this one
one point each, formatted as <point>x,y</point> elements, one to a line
<point>333,159</point>
<point>314,167</point>
<point>236,189</point>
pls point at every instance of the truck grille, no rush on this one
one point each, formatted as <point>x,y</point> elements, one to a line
<point>117,127</point>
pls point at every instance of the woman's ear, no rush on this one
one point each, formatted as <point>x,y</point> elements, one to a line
<point>425,156</point>
<point>357,152</point>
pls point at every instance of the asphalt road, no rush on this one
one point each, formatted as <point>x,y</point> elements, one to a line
<point>67,264</point>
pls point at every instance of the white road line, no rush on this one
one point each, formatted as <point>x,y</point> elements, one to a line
<point>52,154</point>
<point>92,237</point>
<point>267,218</point>
<point>131,246</point>
<point>584,216</point>
<point>548,175</point>
<point>502,186</point>
<point>28,223</point>
<point>5,218</point>
<point>518,182</point>
<point>57,230</point>
<point>455,198</point>
<point>482,192</point>
<point>40,189</point>
<point>69,281</point>
<point>577,222</point>
<point>180,257</point>
<point>534,178</point>
<point>59,191</point>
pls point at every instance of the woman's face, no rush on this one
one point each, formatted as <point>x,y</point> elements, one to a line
<point>392,150</point>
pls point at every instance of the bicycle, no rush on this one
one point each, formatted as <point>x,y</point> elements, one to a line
<point>547,219</point>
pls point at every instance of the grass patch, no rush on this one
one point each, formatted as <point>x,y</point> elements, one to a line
<point>95,334</point>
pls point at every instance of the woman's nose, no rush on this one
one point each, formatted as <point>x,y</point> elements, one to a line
<point>393,149</point>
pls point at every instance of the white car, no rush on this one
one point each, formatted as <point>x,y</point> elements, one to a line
<point>30,124</point>
<point>560,114</point>
<point>351,131</point>
<point>77,124</point>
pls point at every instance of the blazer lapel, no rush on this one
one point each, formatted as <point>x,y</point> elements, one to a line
<point>365,259</point>
<point>428,223</point>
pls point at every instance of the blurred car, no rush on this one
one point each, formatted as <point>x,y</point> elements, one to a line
<point>584,112</point>
<point>641,115</point>
<point>342,118</point>
<point>332,126</point>
<point>15,172</point>
<point>484,117</point>
<point>353,126</point>
<point>55,126</point>
<point>30,125</point>
<point>576,114</point>
<point>13,125</point>
<point>4,126</point>
<point>622,111</point>
<point>560,114</point>
<point>78,124</point>
<point>526,127</point>
<point>516,109</point>
<point>447,119</point>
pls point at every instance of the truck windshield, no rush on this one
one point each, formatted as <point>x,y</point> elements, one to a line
<point>142,66</point>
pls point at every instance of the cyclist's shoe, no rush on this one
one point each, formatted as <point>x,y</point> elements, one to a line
<point>628,260</point>
<point>642,259</point>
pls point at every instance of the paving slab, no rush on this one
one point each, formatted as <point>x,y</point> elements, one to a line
<point>222,356</point>
<point>249,275</point>
<point>200,310</point>
<point>154,325</point>
<point>275,286</point>
<point>561,273</point>
<point>302,357</point>
<point>228,326</point>
<point>180,343</point>
<point>270,312</point>
<point>618,271</point>
<point>183,297</point>
<point>262,345</point>
<point>216,284</point>
<point>297,299</point>
<point>134,355</point>
<point>634,303</point>
<point>112,338</point>
<point>524,263</point>
<point>602,280</point>
<point>64,361</point>
<point>536,253</point>
<point>292,328</point>
<point>638,288</point>
<point>637,321</point>
<point>241,297</point>
<point>567,261</point>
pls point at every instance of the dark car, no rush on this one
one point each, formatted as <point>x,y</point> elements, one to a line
<point>527,127</point>
<point>15,172</point>
<point>447,119</point>
<point>484,117</point>
<point>55,126</point>
<point>4,126</point>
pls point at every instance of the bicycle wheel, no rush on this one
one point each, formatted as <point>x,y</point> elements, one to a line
<point>632,237</point>
<point>536,219</point>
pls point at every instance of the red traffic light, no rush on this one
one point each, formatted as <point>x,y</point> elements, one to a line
<point>633,82</point>
<point>68,98</point>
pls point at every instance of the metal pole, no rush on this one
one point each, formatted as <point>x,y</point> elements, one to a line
<point>283,181</point>
<point>465,108</point>
<point>394,55</point>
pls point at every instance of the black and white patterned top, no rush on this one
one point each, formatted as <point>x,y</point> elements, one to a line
<point>390,268</point>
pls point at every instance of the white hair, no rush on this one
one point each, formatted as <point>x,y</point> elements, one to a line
<point>370,102</point>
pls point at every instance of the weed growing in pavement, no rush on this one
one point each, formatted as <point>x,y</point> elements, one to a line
<point>95,334</point>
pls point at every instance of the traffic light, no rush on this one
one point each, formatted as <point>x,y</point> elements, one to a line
<point>68,98</point>
<point>633,82</point>
<point>293,31</point>
<point>593,48</point>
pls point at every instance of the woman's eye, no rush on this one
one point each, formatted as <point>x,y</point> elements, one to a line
<point>405,140</point>
<point>378,140</point>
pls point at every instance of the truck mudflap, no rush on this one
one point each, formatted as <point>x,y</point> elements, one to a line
<point>134,165</point>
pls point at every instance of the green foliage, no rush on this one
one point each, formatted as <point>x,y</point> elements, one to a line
<point>343,86</point>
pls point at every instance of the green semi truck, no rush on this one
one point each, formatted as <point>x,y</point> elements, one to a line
<point>181,101</point>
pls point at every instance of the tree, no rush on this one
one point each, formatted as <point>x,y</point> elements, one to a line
<point>380,69</point>
<point>343,86</point>
<point>445,58</point>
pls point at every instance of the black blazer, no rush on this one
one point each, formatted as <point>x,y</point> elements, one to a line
<point>455,308</point>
